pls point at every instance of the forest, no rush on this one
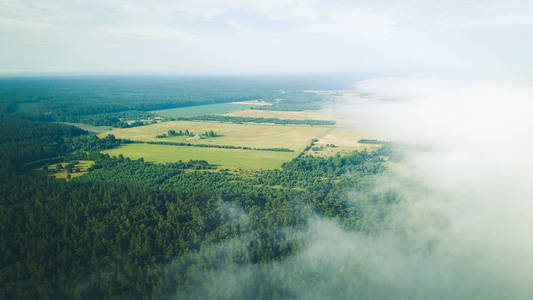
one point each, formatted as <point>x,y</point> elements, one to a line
<point>104,100</point>
<point>131,229</point>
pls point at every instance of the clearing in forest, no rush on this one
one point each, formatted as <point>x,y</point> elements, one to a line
<point>68,170</point>
<point>223,158</point>
<point>253,135</point>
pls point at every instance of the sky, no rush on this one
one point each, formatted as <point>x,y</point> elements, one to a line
<point>237,36</point>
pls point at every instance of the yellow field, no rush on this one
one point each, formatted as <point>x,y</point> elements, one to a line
<point>254,135</point>
<point>223,158</point>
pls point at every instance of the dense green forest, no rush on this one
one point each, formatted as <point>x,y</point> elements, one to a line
<point>107,101</point>
<point>130,229</point>
<point>240,120</point>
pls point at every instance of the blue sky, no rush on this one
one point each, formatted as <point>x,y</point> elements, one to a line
<point>233,36</point>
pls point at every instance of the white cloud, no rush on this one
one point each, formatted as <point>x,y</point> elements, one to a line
<point>282,35</point>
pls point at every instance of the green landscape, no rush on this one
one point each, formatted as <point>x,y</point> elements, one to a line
<point>266,150</point>
<point>113,200</point>
<point>222,158</point>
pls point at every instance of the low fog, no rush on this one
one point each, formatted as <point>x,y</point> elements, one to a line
<point>461,229</point>
<point>474,169</point>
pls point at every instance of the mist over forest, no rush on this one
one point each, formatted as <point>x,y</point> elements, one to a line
<point>286,149</point>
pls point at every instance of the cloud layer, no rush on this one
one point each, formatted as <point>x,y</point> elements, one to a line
<point>262,36</point>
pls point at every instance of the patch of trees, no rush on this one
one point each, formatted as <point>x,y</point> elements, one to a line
<point>28,144</point>
<point>187,133</point>
<point>212,146</point>
<point>240,120</point>
<point>295,100</point>
<point>369,141</point>
<point>116,119</point>
<point>23,141</point>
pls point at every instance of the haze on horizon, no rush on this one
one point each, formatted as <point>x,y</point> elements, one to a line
<point>455,95</point>
<point>236,36</point>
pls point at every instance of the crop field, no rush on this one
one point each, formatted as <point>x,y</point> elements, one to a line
<point>201,110</point>
<point>223,158</point>
<point>254,135</point>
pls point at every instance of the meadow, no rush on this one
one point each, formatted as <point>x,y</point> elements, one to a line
<point>223,158</point>
<point>254,135</point>
<point>201,110</point>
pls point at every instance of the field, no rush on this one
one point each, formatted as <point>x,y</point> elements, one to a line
<point>254,135</point>
<point>330,139</point>
<point>82,167</point>
<point>201,110</point>
<point>224,158</point>
<point>90,128</point>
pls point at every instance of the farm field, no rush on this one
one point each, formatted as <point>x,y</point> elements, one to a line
<point>224,158</point>
<point>254,135</point>
<point>201,110</point>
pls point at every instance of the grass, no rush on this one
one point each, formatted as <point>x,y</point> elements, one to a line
<point>224,158</point>
<point>90,128</point>
<point>253,135</point>
<point>82,165</point>
<point>201,110</point>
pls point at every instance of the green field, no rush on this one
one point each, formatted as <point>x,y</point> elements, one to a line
<point>223,158</point>
<point>31,108</point>
<point>90,128</point>
<point>253,135</point>
<point>201,110</point>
